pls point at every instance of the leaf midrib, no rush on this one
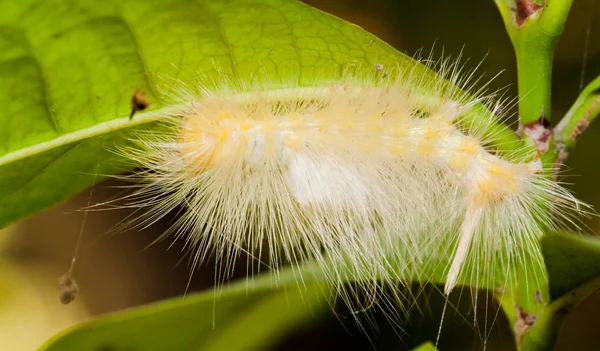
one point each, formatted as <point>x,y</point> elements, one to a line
<point>141,118</point>
<point>86,133</point>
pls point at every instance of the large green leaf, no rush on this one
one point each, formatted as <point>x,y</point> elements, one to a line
<point>69,68</point>
<point>239,318</point>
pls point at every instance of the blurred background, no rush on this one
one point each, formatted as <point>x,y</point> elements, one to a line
<point>119,270</point>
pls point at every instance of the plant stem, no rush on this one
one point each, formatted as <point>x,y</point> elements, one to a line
<point>534,27</point>
<point>536,328</point>
<point>534,83</point>
<point>543,334</point>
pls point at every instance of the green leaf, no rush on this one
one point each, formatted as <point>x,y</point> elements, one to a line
<point>426,346</point>
<point>69,69</point>
<point>238,318</point>
<point>571,260</point>
<point>573,265</point>
<point>241,317</point>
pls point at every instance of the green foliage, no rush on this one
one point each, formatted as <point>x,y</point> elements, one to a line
<point>69,70</point>
<point>427,346</point>
<point>571,260</point>
<point>534,27</point>
<point>87,59</point>
<point>244,317</point>
<point>573,265</point>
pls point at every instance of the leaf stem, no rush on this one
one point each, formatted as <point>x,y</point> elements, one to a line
<point>583,112</point>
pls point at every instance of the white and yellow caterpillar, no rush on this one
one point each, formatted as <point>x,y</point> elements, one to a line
<point>365,177</point>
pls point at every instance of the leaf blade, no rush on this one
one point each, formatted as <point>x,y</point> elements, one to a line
<point>70,70</point>
<point>571,260</point>
<point>239,318</point>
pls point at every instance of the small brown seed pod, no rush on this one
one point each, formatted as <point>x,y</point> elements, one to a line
<point>68,288</point>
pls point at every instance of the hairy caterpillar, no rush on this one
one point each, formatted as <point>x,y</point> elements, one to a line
<point>378,178</point>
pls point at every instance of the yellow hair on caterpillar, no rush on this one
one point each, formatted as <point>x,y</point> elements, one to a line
<point>368,178</point>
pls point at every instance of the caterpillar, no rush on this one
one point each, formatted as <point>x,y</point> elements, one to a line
<point>377,178</point>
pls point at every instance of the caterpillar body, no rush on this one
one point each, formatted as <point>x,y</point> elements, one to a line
<point>371,179</point>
